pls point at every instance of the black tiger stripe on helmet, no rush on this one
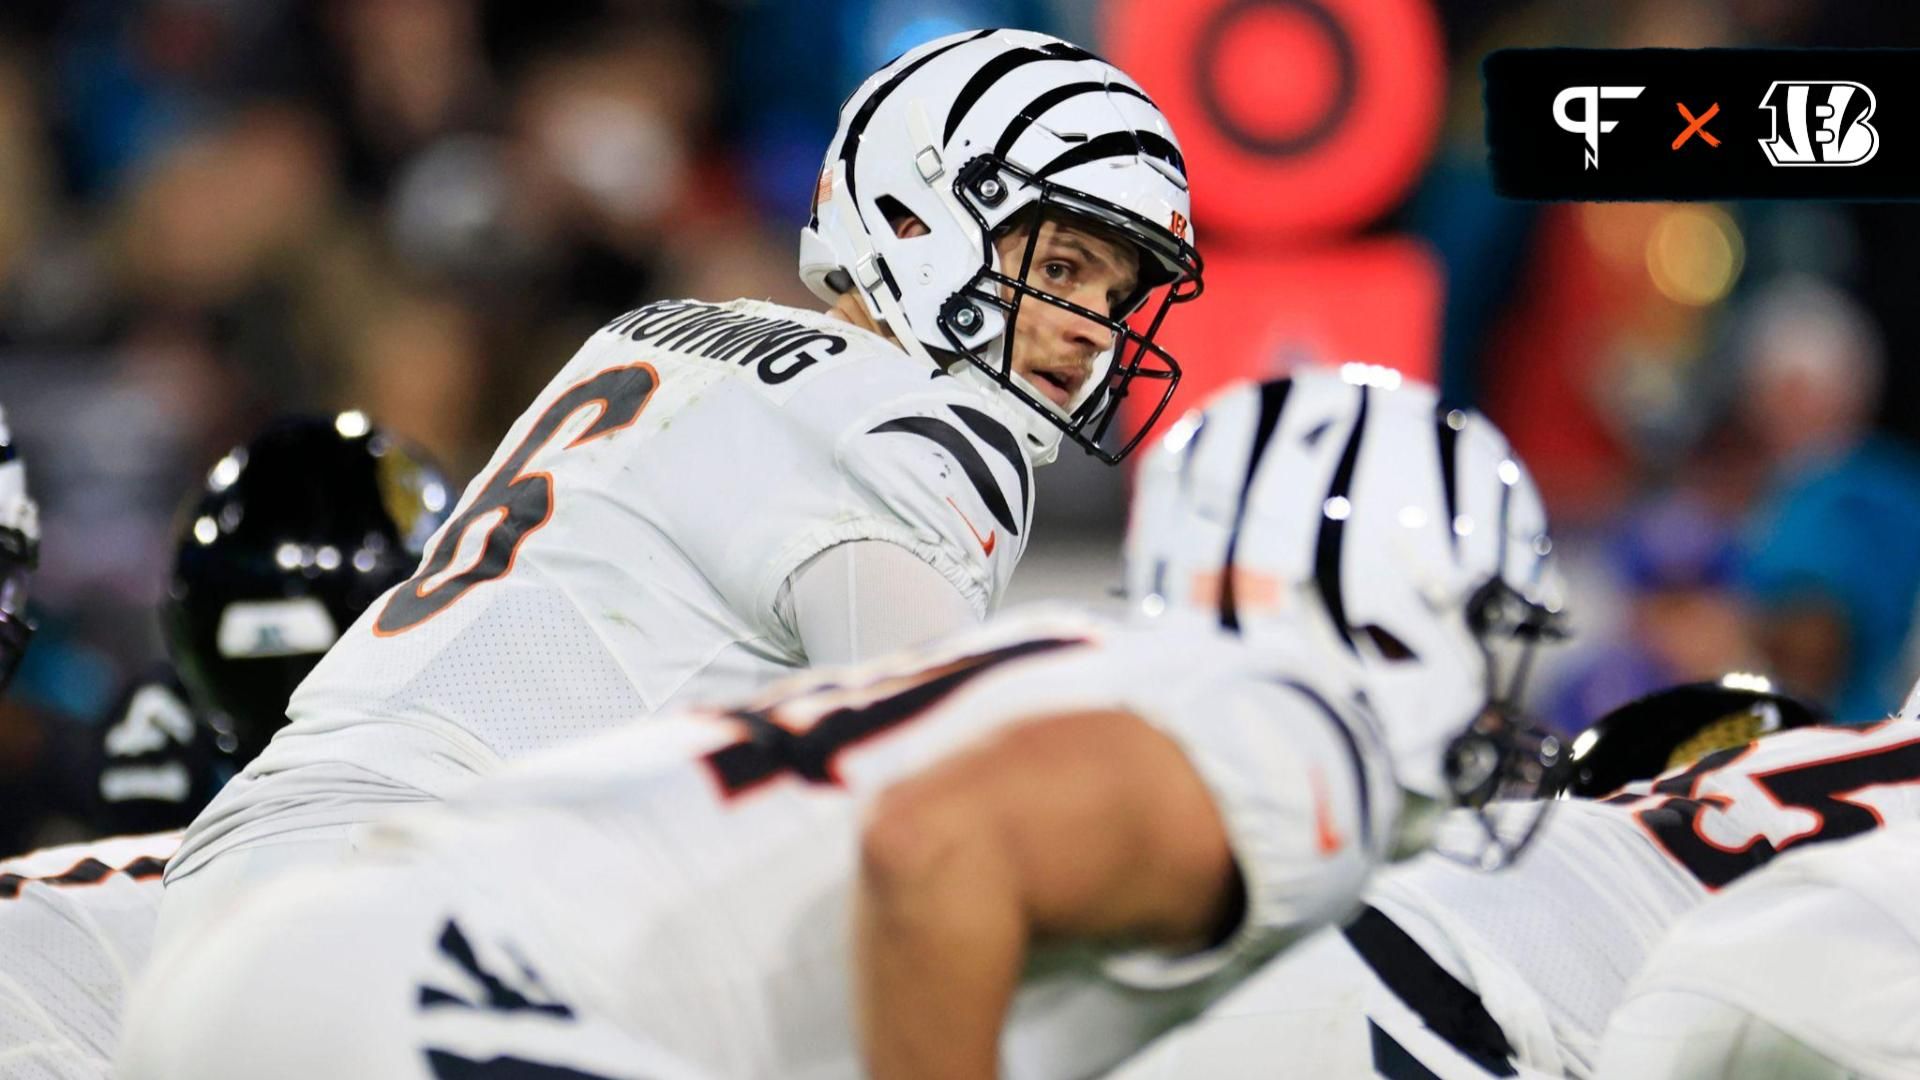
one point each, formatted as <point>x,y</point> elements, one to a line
<point>1038,107</point>
<point>1448,420</point>
<point>1333,524</point>
<point>850,145</point>
<point>1273,399</point>
<point>1125,143</point>
<point>997,68</point>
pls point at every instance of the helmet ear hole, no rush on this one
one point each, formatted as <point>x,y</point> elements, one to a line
<point>904,222</point>
<point>1391,648</point>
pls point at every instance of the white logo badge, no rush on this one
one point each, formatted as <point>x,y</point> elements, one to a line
<point>250,629</point>
<point>1826,124</point>
<point>1589,125</point>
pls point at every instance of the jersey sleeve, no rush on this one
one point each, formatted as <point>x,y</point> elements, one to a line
<point>933,472</point>
<point>1307,795</point>
<point>1810,948</point>
<point>951,484</point>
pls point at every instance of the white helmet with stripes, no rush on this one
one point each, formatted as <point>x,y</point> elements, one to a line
<point>19,550</point>
<point>964,133</point>
<point>1398,532</point>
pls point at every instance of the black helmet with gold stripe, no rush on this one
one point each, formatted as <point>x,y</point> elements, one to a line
<point>291,537</point>
<point>1671,728</point>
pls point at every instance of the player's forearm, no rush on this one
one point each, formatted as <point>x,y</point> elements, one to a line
<point>1078,825</point>
<point>940,941</point>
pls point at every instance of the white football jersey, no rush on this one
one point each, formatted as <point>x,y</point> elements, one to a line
<point>76,926</point>
<point>626,549</point>
<point>1550,944</point>
<point>686,884</point>
<point>1806,969</point>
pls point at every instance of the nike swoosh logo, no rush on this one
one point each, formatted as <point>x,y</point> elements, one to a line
<point>1326,837</point>
<point>992,537</point>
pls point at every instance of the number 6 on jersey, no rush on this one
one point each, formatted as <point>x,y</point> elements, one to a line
<point>514,504</point>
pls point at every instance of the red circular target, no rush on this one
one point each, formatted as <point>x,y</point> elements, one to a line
<point>1296,116</point>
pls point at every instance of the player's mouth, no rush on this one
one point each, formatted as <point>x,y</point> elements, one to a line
<point>1057,385</point>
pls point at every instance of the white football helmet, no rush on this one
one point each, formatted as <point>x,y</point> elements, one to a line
<point>963,133</point>
<point>1398,532</point>
<point>19,551</point>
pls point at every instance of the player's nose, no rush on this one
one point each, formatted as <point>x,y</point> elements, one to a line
<point>1087,336</point>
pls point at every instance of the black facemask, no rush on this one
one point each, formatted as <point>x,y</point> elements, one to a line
<point>1169,266</point>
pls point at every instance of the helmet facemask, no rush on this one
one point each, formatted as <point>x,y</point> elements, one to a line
<point>1453,631</point>
<point>1504,763</point>
<point>1169,273</point>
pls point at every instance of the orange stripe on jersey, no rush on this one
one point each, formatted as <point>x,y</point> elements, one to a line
<point>88,871</point>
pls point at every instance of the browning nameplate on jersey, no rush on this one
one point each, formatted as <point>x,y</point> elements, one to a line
<point>774,348</point>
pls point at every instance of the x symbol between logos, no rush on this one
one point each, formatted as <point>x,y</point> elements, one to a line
<point>1697,125</point>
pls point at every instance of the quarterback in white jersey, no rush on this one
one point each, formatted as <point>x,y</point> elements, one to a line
<point>1026,850</point>
<point>1470,975</point>
<point>1806,970</point>
<point>708,496</point>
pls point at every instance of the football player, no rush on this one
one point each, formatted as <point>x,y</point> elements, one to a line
<point>1451,973</point>
<point>1019,852</point>
<point>1803,971</point>
<point>711,495</point>
<point>1798,972</point>
<point>292,536</point>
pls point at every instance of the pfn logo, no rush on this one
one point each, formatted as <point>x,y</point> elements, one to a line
<point>1826,124</point>
<point>1589,123</point>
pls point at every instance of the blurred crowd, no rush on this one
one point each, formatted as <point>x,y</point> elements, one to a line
<point>215,210</point>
